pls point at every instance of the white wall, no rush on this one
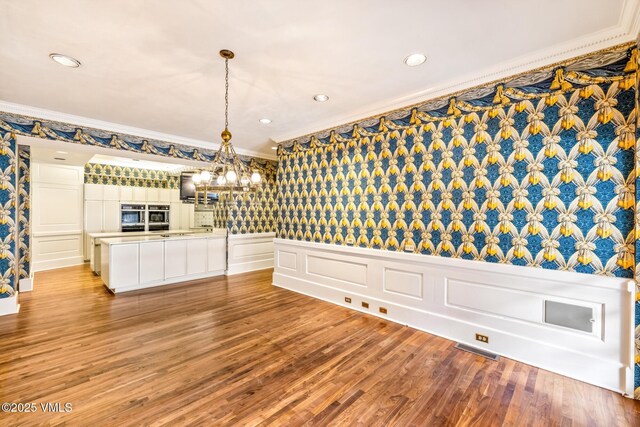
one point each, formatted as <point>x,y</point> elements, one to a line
<point>57,215</point>
<point>457,298</point>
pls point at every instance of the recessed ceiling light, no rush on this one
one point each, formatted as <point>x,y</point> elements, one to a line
<point>65,60</point>
<point>265,121</point>
<point>274,148</point>
<point>321,97</point>
<point>415,59</point>
<point>61,152</point>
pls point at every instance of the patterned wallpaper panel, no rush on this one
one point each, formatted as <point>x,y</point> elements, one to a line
<point>95,173</point>
<point>24,213</point>
<point>259,211</point>
<point>8,196</point>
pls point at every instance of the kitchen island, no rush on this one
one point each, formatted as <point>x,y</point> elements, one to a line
<point>95,248</point>
<point>138,262</point>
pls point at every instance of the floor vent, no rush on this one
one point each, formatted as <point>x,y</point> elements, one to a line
<point>477,351</point>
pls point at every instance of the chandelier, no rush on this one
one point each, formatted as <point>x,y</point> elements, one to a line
<point>228,174</point>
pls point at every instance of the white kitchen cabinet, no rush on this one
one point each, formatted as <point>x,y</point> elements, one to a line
<point>151,262</point>
<point>93,192</point>
<point>196,256</point>
<point>126,194</point>
<point>174,196</point>
<point>175,258</point>
<point>216,254</point>
<point>174,215</point>
<point>186,216</point>
<point>111,192</point>
<point>126,258</point>
<point>93,211</point>
<point>139,194</point>
<point>111,216</point>
<point>153,195</point>
<point>164,195</point>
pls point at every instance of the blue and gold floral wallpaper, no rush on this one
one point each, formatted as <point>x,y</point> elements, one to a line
<point>95,173</point>
<point>23,254</point>
<point>8,211</point>
<point>258,212</point>
<point>537,170</point>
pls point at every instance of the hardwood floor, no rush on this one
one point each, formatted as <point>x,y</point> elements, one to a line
<point>239,351</point>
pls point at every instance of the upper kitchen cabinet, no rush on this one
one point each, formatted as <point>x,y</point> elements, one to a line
<point>94,192</point>
<point>139,194</point>
<point>111,192</point>
<point>126,194</point>
<point>153,194</point>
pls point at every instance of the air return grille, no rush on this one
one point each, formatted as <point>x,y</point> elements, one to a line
<point>571,316</point>
<point>477,351</point>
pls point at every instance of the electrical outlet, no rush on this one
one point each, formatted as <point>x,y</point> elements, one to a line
<point>365,304</point>
<point>482,338</point>
<point>350,240</point>
<point>383,310</point>
<point>409,247</point>
<point>347,299</point>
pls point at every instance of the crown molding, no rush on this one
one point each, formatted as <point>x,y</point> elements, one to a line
<point>625,31</point>
<point>41,113</point>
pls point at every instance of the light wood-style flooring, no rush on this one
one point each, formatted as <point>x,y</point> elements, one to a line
<point>239,351</point>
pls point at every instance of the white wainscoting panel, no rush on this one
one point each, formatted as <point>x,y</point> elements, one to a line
<point>249,252</point>
<point>456,299</point>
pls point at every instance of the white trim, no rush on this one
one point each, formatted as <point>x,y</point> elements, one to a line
<point>57,263</point>
<point>450,298</point>
<point>9,305</point>
<point>80,121</point>
<point>26,285</point>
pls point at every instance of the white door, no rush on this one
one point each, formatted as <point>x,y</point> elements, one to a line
<point>93,211</point>
<point>216,254</point>
<point>186,216</point>
<point>139,194</point>
<point>196,256</point>
<point>111,216</point>
<point>174,215</point>
<point>93,192</point>
<point>126,194</point>
<point>153,195</point>
<point>151,262</point>
<point>111,192</point>
<point>164,195</point>
<point>175,258</point>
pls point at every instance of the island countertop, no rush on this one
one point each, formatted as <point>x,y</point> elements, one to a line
<point>217,233</point>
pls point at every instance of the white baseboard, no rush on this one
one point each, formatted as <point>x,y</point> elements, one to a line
<point>57,263</point>
<point>26,285</point>
<point>9,305</point>
<point>456,299</point>
<point>249,252</point>
<point>184,279</point>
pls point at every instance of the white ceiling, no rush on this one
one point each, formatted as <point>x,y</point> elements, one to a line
<point>151,67</point>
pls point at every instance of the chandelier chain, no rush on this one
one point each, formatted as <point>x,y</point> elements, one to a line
<point>226,93</point>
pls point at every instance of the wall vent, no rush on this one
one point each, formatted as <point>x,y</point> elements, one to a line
<point>477,351</point>
<point>570,316</point>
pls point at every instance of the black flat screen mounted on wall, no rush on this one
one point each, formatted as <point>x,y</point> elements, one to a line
<point>188,189</point>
